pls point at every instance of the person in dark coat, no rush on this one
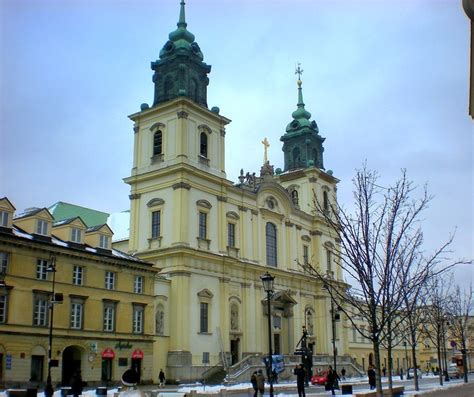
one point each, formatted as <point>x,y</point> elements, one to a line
<point>371,375</point>
<point>162,378</point>
<point>332,377</point>
<point>76,384</point>
<point>253,380</point>
<point>260,382</point>
<point>343,373</point>
<point>300,379</point>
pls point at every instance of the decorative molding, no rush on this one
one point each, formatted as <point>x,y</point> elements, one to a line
<point>136,128</point>
<point>203,160</point>
<point>157,126</point>
<point>324,187</point>
<point>205,293</point>
<point>328,244</point>
<point>204,127</point>
<point>298,227</point>
<point>313,179</point>
<point>306,238</point>
<point>289,224</point>
<point>315,233</point>
<point>235,298</point>
<point>222,198</point>
<point>134,196</point>
<point>254,212</point>
<point>182,114</point>
<point>245,285</point>
<point>224,279</point>
<point>204,243</point>
<point>204,203</point>
<point>232,215</point>
<point>155,201</point>
<point>222,131</point>
<point>271,214</point>
<point>181,185</point>
<point>242,208</point>
<point>157,158</point>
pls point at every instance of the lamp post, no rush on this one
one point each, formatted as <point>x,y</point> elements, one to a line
<point>333,325</point>
<point>267,281</point>
<point>443,332</point>
<point>49,390</point>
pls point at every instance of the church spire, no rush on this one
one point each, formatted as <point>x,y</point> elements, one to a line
<point>180,71</point>
<point>302,144</point>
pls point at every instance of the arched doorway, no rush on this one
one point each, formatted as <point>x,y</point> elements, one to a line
<point>71,363</point>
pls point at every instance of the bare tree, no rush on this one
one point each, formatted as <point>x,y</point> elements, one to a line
<point>461,304</point>
<point>375,243</point>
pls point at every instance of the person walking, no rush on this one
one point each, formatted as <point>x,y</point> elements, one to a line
<point>371,375</point>
<point>331,383</point>
<point>162,378</point>
<point>253,381</point>
<point>300,373</point>
<point>343,373</point>
<point>260,382</point>
<point>384,371</point>
<point>76,384</point>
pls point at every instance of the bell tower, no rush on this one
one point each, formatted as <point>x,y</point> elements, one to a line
<point>302,144</point>
<point>180,70</point>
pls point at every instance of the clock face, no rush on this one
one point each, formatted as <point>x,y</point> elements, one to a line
<point>91,357</point>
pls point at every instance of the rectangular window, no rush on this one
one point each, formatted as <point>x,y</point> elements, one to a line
<point>40,313</point>
<point>305,254</point>
<point>231,235</point>
<point>104,242</point>
<point>3,218</point>
<point>109,317</point>
<point>41,269</point>
<point>137,319</point>
<point>110,280</point>
<point>202,225</point>
<point>77,314</point>
<point>77,275</point>
<point>75,235</point>
<point>138,285</point>
<point>354,334</point>
<point>329,261</point>
<point>155,224</point>
<point>42,227</point>
<point>3,262</point>
<point>204,318</point>
<point>3,307</point>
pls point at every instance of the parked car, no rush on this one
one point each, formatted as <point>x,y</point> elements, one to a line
<point>453,371</point>
<point>320,378</point>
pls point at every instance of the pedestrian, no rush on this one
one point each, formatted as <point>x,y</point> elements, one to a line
<point>332,380</point>
<point>260,382</point>
<point>371,375</point>
<point>300,373</point>
<point>162,378</point>
<point>384,371</point>
<point>401,373</point>
<point>343,373</point>
<point>253,381</point>
<point>76,383</point>
<point>129,384</point>
<point>274,376</point>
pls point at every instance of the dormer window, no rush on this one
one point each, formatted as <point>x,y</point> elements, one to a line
<point>42,227</point>
<point>103,241</point>
<point>3,218</point>
<point>75,235</point>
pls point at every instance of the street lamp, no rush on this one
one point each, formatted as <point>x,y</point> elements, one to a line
<point>334,316</point>
<point>267,281</point>
<point>49,390</point>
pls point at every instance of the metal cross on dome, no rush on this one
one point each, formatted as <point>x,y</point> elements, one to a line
<point>299,71</point>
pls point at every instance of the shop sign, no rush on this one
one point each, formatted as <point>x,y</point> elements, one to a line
<point>108,353</point>
<point>137,353</point>
<point>123,345</point>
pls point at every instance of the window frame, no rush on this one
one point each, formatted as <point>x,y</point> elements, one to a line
<point>156,224</point>
<point>41,269</point>
<point>138,319</point>
<point>110,280</point>
<point>78,275</point>
<point>204,145</point>
<point>76,235</point>
<point>271,244</point>
<point>42,227</point>
<point>4,261</point>
<point>231,234</point>
<point>104,241</point>
<point>138,287</point>
<point>305,254</point>
<point>157,143</point>
<point>203,317</point>
<point>41,304</point>
<point>109,316</point>
<point>4,218</point>
<point>202,226</point>
<point>77,323</point>
<point>4,306</point>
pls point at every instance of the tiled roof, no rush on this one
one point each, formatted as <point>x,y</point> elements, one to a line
<point>90,217</point>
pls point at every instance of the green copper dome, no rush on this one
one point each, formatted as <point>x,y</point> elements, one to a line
<point>180,70</point>
<point>302,144</point>
<point>181,40</point>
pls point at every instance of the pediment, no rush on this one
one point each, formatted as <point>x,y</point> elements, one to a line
<point>205,293</point>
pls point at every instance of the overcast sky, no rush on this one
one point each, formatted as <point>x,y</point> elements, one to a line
<point>386,81</point>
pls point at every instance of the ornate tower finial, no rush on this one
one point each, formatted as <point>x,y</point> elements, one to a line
<point>299,72</point>
<point>182,17</point>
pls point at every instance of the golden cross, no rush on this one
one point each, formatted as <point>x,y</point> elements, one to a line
<point>266,145</point>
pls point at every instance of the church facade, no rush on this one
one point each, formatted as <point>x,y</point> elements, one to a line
<point>213,239</point>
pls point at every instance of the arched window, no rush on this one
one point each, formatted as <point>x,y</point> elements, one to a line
<point>271,242</point>
<point>294,196</point>
<point>296,157</point>
<point>325,201</point>
<point>157,143</point>
<point>203,144</point>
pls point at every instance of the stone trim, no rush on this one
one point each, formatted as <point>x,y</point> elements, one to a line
<point>222,131</point>
<point>204,127</point>
<point>222,198</point>
<point>136,128</point>
<point>181,185</point>
<point>298,227</point>
<point>182,114</point>
<point>155,201</point>
<point>254,212</point>
<point>289,224</point>
<point>157,126</point>
<point>205,293</point>
<point>134,196</point>
<point>313,179</point>
<point>232,215</point>
<point>242,208</point>
<point>306,238</point>
<point>204,203</point>
<point>315,233</point>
